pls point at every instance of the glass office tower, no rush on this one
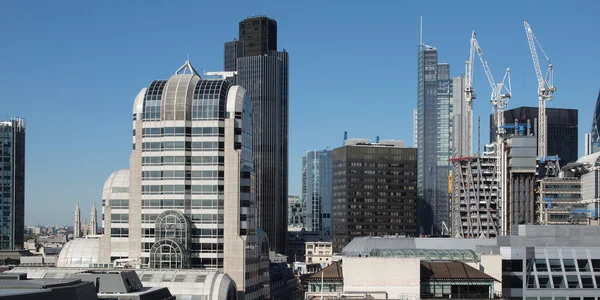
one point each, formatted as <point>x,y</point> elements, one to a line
<point>316,190</point>
<point>12,182</point>
<point>433,140</point>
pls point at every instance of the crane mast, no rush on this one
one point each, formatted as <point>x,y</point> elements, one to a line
<point>546,88</point>
<point>501,93</point>
<point>470,94</point>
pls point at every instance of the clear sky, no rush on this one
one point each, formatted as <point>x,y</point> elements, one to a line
<point>73,68</point>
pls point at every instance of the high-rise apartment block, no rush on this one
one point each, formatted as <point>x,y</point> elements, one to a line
<point>263,71</point>
<point>187,200</point>
<point>562,129</point>
<point>374,190</point>
<point>434,88</point>
<point>12,182</point>
<point>316,190</point>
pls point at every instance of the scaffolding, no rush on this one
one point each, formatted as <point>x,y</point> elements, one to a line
<point>559,202</point>
<point>475,196</point>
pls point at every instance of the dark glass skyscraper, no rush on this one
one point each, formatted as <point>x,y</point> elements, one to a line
<point>12,183</point>
<point>433,140</point>
<point>596,123</point>
<point>259,35</point>
<point>263,71</point>
<point>562,129</point>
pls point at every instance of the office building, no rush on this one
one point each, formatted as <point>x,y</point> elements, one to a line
<point>374,190</point>
<point>434,140</point>
<point>12,182</point>
<point>296,212</point>
<point>316,190</point>
<point>562,129</point>
<point>233,50</point>
<point>187,200</point>
<point>263,71</point>
<point>259,35</point>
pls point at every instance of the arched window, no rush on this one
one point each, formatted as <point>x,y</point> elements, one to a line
<point>173,225</point>
<point>168,254</point>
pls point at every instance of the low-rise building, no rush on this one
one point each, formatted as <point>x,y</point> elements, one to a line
<point>319,252</point>
<point>297,238</point>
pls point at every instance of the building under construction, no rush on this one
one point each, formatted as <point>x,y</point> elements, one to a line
<point>475,195</point>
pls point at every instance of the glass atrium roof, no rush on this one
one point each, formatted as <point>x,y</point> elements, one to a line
<point>428,254</point>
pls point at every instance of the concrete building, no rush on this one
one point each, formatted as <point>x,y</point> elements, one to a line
<point>317,176</point>
<point>475,190</point>
<point>374,190</point>
<point>460,142</point>
<point>434,90</point>
<point>12,182</point>
<point>319,252</point>
<point>518,186</point>
<point>296,212</point>
<point>187,200</point>
<point>263,71</point>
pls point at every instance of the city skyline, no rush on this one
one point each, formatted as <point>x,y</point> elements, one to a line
<point>61,181</point>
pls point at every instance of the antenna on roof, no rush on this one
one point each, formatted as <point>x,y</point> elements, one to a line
<point>421,32</point>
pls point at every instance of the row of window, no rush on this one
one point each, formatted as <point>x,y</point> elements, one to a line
<point>196,218</point>
<point>182,131</point>
<point>181,145</point>
<point>209,203</point>
<point>119,203</point>
<point>181,189</point>
<point>206,174</point>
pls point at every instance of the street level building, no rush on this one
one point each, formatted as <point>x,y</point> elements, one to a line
<point>374,190</point>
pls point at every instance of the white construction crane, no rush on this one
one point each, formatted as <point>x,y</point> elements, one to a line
<point>546,88</point>
<point>470,94</point>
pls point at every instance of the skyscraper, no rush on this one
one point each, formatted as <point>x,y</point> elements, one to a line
<point>187,200</point>
<point>374,190</point>
<point>263,71</point>
<point>12,182</point>
<point>316,190</point>
<point>433,139</point>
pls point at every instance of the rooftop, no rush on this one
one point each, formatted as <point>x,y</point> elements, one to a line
<point>333,271</point>
<point>451,271</point>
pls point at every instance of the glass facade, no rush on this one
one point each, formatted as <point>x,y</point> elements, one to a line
<point>596,125</point>
<point>12,182</point>
<point>316,190</point>
<point>434,88</point>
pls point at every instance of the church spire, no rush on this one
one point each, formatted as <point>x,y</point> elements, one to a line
<point>77,225</point>
<point>93,220</point>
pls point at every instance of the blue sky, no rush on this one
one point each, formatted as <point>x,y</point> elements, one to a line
<point>73,68</point>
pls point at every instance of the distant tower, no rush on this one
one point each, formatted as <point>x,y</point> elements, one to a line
<point>77,225</point>
<point>93,225</point>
